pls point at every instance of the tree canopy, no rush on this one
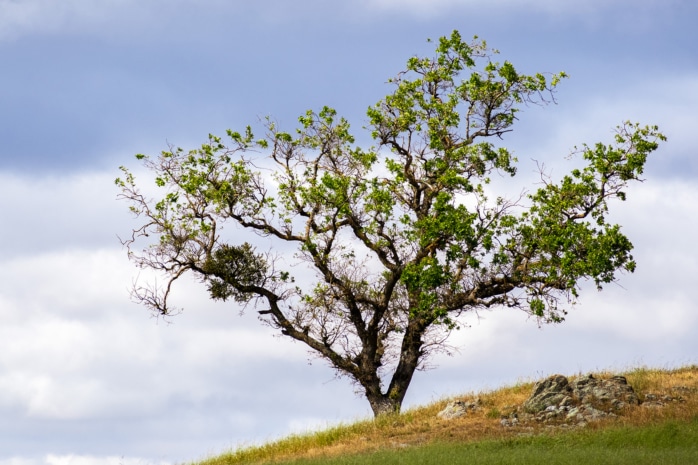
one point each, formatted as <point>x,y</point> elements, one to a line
<point>392,243</point>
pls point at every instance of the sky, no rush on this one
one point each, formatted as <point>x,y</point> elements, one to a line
<point>89,377</point>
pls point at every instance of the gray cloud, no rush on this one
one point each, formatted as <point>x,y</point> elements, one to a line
<point>87,376</point>
<point>76,352</point>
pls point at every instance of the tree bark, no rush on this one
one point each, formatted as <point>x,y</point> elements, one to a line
<point>411,353</point>
<point>382,404</point>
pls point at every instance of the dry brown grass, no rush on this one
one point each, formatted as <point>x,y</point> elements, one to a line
<point>421,426</point>
<point>681,384</point>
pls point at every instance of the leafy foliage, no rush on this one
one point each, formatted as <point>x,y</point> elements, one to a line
<point>401,237</point>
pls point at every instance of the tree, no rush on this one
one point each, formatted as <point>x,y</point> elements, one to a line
<point>398,240</point>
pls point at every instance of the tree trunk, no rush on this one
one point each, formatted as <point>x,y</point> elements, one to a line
<point>383,405</point>
<point>411,352</point>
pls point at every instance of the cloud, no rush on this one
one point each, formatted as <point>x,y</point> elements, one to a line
<point>104,17</point>
<point>26,16</point>
<point>155,18</point>
<point>18,461</point>
<point>587,114</point>
<point>647,318</point>
<point>75,352</point>
<point>59,321</point>
<point>73,348</point>
<point>71,459</point>
<point>81,350</point>
<point>435,8</point>
<point>59,212</point>
<point>92,460</point>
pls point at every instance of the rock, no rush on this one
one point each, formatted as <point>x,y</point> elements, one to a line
<point>556,392</point>
<point>556,401</point>
<point>459,408</point>
<point>614,392</point>
<point>454,409</point>
<point>659,400</point>
<point>684,390</point>
<point>591,413</point>
<point>551,391</point>
<point>573,414</point>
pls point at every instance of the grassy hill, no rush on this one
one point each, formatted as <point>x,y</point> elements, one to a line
<point>645,434</point>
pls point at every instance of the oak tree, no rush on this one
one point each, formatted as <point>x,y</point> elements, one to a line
<point>392,243</point>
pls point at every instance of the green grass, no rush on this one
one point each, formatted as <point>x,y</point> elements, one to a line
<point>638,436</point>
<point>669,443</point>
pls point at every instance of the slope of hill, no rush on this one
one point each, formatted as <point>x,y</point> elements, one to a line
<point>662,429</point>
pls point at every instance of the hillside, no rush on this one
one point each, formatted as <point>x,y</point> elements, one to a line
<point>664,425</point>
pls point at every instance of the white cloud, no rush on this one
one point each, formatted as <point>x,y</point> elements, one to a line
<point>54,459</point>
<point>75,347</point>
<point>122,17</point>
<point>78,211</point>
<point>92,460</point>
<point>81,350</point>
<point>59,321</point>
<point>134,17</point>
<point>304,425</point>
<point>648,318</point>
<point>435,8</point>
<point>550,134</point>
<point>18,461</point>
<point>17,17</point>
<point>664,100</point>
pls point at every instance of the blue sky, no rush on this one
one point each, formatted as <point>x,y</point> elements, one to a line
<point>86,376</point>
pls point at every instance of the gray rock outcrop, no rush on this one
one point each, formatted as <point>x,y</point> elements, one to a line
<point>556,391</point>
<point>557,400</point>
<point>459,408</point>
<point>614,392</point>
